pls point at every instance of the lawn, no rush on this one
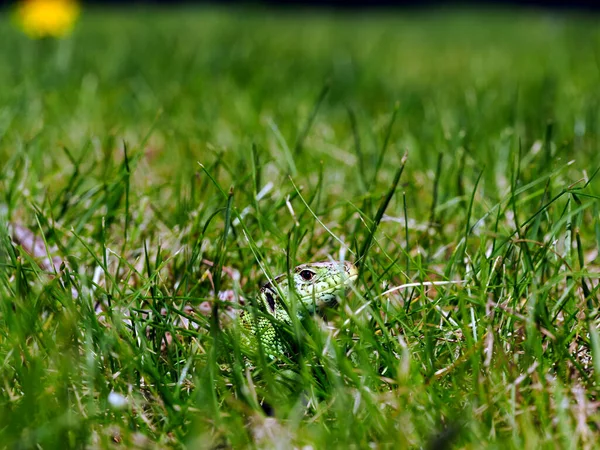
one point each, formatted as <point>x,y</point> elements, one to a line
<point>153,148</point>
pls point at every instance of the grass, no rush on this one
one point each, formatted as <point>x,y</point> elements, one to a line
<point>150,141</point>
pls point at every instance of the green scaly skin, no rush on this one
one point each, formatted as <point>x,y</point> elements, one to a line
<point>315,287</point>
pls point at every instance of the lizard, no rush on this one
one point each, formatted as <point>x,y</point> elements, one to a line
<point>315,286</point>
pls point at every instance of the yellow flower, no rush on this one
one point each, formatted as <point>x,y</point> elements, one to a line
<point>43,18</point>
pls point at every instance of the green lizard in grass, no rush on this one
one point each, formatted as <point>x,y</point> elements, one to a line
<point>315,287</point>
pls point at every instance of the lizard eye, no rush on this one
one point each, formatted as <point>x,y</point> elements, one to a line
<point>307,275</point>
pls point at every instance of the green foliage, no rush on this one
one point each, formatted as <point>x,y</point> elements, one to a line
<point>151,141</point>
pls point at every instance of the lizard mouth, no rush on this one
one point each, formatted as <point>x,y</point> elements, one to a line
<point>351,272</point>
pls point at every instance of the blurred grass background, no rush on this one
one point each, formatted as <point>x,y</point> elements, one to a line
<point>101,134</point>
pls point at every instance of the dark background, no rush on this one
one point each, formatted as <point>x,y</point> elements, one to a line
<point>362,4</point>
<point>582,5</point>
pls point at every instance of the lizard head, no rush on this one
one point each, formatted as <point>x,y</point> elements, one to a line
<point>316,285</point>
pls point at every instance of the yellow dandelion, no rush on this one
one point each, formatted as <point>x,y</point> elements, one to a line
<point>47,18</point>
